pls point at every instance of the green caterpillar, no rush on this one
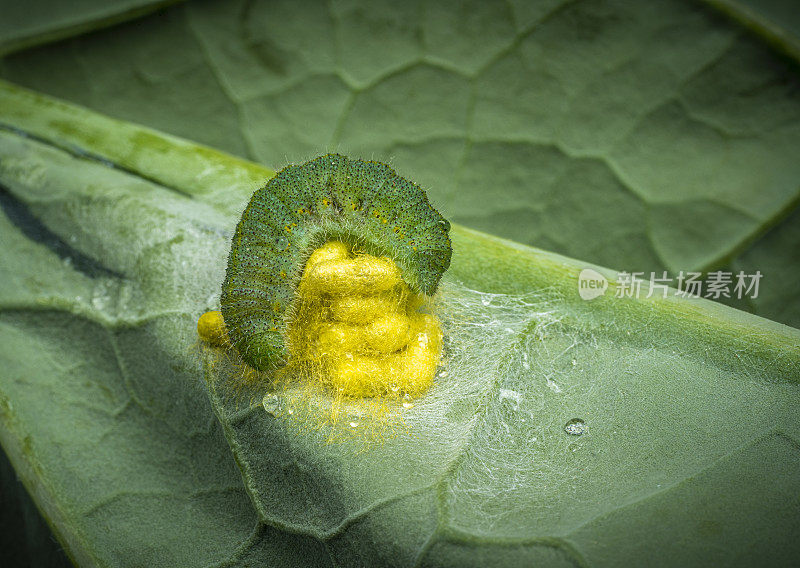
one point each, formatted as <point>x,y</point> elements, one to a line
<point>365,205</point>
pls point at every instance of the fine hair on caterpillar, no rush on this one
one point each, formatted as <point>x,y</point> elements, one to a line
<point>329,277</point>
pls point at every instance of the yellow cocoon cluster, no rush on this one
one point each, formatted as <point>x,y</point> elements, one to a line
<point>357,328</point>
<point>211,329</point>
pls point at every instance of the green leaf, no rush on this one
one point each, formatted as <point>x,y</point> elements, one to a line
<point>777,21</point>
<point>32,23</point>
<point>644,136</point>
<point>114,242</point>
<point>26,538</point>
<point>777,254</point>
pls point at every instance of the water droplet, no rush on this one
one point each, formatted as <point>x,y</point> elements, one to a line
<point>443,374</point>
<point>574,362</point>
<point>282,243</point>
<point>291,411</point>
<point>272,404</point>
<point>575,427</point>
<point>486,301</point>
<point>354,425</point>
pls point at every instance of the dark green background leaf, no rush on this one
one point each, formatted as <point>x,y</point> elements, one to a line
<point>26,24</point>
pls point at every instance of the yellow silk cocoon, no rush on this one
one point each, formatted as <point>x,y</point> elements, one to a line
<point>357,328</point>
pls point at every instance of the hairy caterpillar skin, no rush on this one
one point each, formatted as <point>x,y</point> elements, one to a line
<point>365,205</point>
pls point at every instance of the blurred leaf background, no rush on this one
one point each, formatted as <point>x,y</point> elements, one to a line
<point>641,136</point>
